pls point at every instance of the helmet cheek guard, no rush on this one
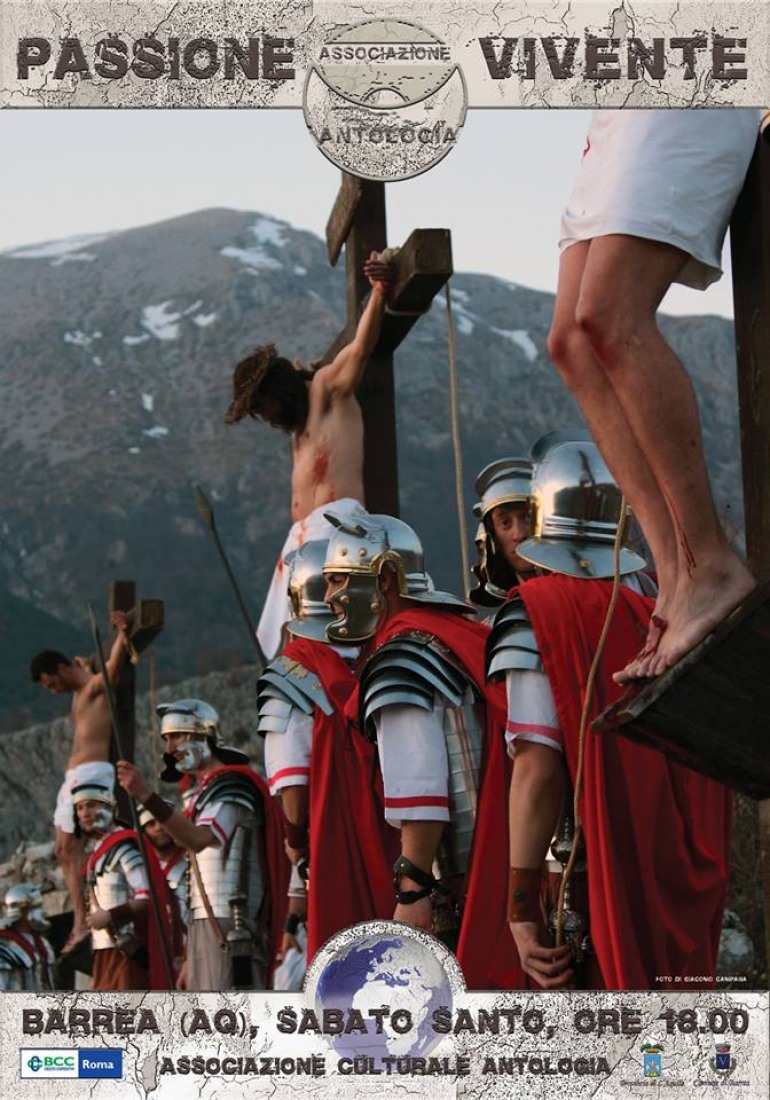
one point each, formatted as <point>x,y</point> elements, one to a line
<point>195,753</point>
<point>90,791</point>
<point>360,607</point>
<point>359,551</point>
<point>307,591</point>
<point>198,722</point>
<point>191,755</point>
<point>103,819</point>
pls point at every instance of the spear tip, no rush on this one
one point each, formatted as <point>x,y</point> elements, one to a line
<point>203,507</point>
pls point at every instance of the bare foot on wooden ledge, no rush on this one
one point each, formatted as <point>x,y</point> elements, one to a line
<point>700,604</point>
<point>638,667</point>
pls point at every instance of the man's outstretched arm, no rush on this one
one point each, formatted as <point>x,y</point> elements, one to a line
<point>114,662</point>
<point>343,374</point>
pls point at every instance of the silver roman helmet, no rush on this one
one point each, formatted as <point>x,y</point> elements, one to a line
<point>307,588</point>
<point>359,549</point>
<point>199,722</point>
<point>576,510</point>
<point>92,790</point>
<point>505,481</point>
<point>25,899</point>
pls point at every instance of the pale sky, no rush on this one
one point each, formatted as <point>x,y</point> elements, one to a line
<point>500,191</point>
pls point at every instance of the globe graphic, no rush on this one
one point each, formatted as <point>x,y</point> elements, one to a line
<point>397,972</point>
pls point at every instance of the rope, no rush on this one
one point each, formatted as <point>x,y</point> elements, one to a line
<point>154,726</point>
<point>458,456</point>
<point>567,874</point>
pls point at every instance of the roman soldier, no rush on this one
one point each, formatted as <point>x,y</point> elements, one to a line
<point>175,866</point>
<point>232,833</point>
<point>322,771</point>
<point>26,956</point>
<point>503,514</point>
<point>118,887</point>
<point>423,699</point>
<point>654,836</point>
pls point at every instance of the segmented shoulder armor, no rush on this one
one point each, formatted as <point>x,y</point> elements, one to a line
<point>12,957</point>
<point>410,670</point>
<point>229,786</point>
<point>125,854</point>
<point>511,644</point>
<point>285,684</point>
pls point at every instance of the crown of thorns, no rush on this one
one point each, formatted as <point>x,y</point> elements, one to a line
<point>248,378</point>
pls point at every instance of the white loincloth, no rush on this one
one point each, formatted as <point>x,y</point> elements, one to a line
<point>277,608</point>
<point>665,175</point>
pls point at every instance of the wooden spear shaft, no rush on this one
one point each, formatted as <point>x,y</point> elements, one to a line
<point>206,512</point>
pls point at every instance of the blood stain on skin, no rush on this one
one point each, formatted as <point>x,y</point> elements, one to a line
<point>320,467</point>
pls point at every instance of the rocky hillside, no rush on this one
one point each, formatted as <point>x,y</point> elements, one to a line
<point>116,364</point>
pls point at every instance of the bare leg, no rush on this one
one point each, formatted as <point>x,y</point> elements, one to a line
<point>624,279</point>
<point>578,365</point>
<point>69,852</point>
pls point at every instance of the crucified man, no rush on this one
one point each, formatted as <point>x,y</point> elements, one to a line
<point>89,756</point>
<point>320,413</point>
<point>650,207</point>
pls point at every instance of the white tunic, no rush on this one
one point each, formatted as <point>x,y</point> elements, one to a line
<point>413,758</point>
<point>665,175</point>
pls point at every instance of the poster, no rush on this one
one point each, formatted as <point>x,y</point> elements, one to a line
<point>302,61</point>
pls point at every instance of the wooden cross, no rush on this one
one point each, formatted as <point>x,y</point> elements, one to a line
<point>422,267</point>
<point>145,622</point>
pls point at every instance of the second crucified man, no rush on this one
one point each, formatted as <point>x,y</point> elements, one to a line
<point>89,756</point>
<point>320,412</point>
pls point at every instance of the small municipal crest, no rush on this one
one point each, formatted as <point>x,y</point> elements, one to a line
<point>723,1062</point>
<point>652,1059</point>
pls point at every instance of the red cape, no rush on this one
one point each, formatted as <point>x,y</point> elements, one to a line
<point>275,864</point>
<point>178,929</point>
<point>352,848</point>
<point>145,925</point>
<point>486,951</point>
<point>657,834</point>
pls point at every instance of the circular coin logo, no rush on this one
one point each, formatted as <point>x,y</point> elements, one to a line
<point>384,100</point>
<point>384,63</point>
